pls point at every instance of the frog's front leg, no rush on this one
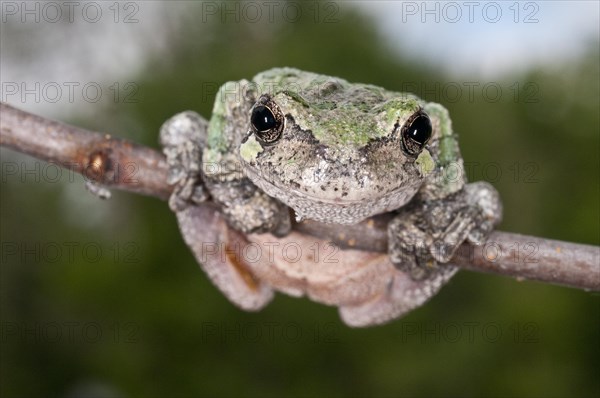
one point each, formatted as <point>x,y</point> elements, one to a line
<point>183,138</point>
<point>244,205</point>
<point>215,246</point>
<point>428,232</point>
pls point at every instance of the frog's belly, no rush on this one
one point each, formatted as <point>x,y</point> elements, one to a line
<point>338,211</point>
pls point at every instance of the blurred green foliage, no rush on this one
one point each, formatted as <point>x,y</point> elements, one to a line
<point>166,331</point>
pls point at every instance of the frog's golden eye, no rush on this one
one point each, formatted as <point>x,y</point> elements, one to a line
<point>267,121</point>
<point>416,132</point>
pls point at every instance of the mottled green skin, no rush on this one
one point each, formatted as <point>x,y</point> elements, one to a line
<point>339,158</point>
<point>338,113</point>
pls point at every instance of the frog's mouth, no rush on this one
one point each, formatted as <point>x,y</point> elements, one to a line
<point>325,192</point>
<point>344,207</point>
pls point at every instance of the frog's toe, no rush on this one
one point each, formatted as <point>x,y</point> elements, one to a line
<point>477,236</point>
<point>487,207</point>
<point>183,138</point>
<point>184,127</point>
<point>409,248</point>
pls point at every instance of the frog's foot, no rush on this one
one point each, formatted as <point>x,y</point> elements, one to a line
<point>183,138</point>
<point>427,233</point>
<point>255,212</point>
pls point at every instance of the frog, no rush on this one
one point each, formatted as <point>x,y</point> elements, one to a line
<point>291,145</point>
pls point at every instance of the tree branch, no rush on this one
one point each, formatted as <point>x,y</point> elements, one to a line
<point>121,164</point>
<point>112,162</point>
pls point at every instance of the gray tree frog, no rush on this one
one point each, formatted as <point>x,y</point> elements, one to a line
<point>334,152</point>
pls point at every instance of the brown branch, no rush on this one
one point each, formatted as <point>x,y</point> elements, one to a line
<point>112,162</point>
<point>121,164</point>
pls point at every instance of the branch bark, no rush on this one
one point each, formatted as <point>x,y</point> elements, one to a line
<point>122,164</point>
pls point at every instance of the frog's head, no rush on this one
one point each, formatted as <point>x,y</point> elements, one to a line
<point>335,151</point>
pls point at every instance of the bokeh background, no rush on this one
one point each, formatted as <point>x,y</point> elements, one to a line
<point>103,299</point>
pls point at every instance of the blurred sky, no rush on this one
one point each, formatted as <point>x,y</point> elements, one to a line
<point>495,38</point>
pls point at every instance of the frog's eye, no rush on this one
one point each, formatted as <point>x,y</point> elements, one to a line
<point>416,132</point>
<point>267,122</point>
